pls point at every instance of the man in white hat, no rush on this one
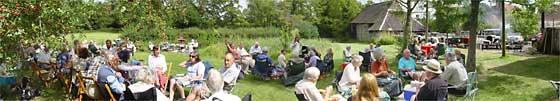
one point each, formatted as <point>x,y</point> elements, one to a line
<point>435,88</point>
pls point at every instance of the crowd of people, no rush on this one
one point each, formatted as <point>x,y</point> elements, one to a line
<point>129,78</point>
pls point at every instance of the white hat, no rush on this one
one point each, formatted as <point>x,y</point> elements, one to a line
<point>433,66</point>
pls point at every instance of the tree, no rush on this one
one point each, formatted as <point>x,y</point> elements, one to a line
<point>409,6</point>
<point>335,16</point>
<point>526,18</point>
<point>448,18</point>
<point>34,21</point>
<point>262,13</point>
<point>471,60</point>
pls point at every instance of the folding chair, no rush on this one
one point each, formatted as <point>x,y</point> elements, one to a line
<point>41,73</point>
<point>471,89</point>
<point>168,75</point>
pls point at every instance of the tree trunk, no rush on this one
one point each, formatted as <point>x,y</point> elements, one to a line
<point>471,61</point>
<point>503,29</point>
<point>427,18</point>
<point>406,28</point>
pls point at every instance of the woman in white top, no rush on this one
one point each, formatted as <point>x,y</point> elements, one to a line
<point>157,63</point>
<point>351,75</point>
<point>192,78</point>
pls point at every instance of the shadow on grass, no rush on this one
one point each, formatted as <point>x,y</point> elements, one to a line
<point>545,68</point>
<point>504,87</point>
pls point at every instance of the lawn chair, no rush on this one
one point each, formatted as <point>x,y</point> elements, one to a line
<point>472,88</point>
<point>334,83</point>
<point>262,68</point>
<point>82,89</point>
<point>169,66</point>
<point>44,75</point>
<point>556,84</point>
<point>107,93</point>
<point>300,97</point>
<point>366,61</point>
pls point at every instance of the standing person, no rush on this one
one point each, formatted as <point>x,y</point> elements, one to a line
<point>109,47</point>
<point>435,88</point>
<point>455,74</point>
<point>255,49</point>
<point>347,53</point>
<point>296,46</point>
<point>158,64</point>
<point>230,72</point>
<point>371,50</point>
<point>130,46</point>
<point>307,86</point>
<point>370,91</point>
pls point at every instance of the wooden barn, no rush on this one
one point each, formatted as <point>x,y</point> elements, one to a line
<point>378,18</point>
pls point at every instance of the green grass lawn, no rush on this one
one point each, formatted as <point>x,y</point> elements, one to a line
<point>509,78</point>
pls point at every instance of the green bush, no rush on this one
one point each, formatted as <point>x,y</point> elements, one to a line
<point>385,38</point>
<point>307,30</point>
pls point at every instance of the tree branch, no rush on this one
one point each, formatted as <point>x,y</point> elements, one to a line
<point>416,3</point>
<point>402,3</point>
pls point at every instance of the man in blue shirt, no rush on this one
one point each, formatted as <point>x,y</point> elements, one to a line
<point>407,66</point>
<point>108,75</point>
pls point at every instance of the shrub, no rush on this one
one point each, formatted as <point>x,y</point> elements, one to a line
<point>307,30</point>
<point>385,38</point>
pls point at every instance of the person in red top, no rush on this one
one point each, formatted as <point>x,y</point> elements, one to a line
<point>385,77</point>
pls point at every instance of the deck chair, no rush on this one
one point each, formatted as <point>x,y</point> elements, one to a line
<point>262,68</point>
<point>106,91</point>
<point>82,89</point>
<point>41,73</point>
<point>471,90</point>
<point>168,75</point>
<point>334,82</point>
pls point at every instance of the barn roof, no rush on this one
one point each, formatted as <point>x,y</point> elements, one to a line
<point>380,17</point>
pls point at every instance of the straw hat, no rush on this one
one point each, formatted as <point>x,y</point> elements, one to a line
<point>433,66</point>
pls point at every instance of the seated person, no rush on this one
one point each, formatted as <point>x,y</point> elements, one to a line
<point>351,75</point>
<point>158,64</point>
<point>145,83</point>
<point>263,57</point>
<point>314,58</point>
<point>435,88</point>
<point>329,60</point>
<point>123,53</point>
<point>246,60</point>
<point>215,85</point>
<point>460,57</point>
<point>107,74</point>
<point>386,77</point>
<point>308,88</point>
<point>455,74</point>
<point>347,53</point>
<point>370,91</point>
<point>43,58</point>
<point>230,72</point>
<point>255,49</point>
<point>407,66</point>
<point>192,78</point>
